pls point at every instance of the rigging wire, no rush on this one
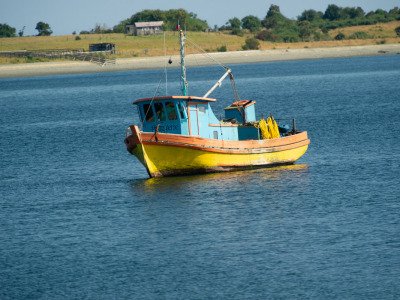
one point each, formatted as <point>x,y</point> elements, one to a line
<point>207,54</point>
<point>152,99</point>
<point>233,84</point>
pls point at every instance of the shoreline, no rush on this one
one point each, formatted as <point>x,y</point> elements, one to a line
<point>158,62</point>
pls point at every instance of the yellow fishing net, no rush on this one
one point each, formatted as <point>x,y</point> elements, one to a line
<point>273,127</point>
<point>269,128</point>
<point>264,129</point>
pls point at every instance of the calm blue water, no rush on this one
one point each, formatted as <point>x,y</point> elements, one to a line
<point>79,218</point>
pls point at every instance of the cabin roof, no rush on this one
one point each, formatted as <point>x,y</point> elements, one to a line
<point>241,103</point>
<point>149,24</point>
<point>187,98</point>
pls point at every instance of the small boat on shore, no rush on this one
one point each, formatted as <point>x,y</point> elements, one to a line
<point>179,135</point>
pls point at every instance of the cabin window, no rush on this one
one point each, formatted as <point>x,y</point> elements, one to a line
<point>215,135</point>
<point>160,113</point>
<point>171,111</point>
<point>148,112</point>
<point>202,108</point>
<point>181,110</point>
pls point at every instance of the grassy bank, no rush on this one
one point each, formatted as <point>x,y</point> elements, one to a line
<point>147,46</point>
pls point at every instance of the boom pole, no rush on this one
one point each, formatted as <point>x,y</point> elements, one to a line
<point>218,83</point>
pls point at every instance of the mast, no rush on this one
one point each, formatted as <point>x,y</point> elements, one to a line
<point>182,39</point>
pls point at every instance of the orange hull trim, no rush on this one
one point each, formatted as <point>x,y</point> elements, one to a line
<point>212,145</point>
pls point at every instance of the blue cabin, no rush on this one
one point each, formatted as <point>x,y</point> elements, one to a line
<point>193,116</point>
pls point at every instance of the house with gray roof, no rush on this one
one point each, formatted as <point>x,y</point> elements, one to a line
<point>145,28</point>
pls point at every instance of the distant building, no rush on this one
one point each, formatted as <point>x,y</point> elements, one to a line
<point>145,28</point>
<point>102,47</point>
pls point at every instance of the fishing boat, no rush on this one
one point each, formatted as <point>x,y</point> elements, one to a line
<point>179,135</point>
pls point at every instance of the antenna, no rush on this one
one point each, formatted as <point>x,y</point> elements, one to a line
<point>182,39</point>
<point>165,67</point>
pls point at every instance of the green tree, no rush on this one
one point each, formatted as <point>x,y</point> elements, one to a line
<point>121,27</point>
<point>333,12</point>
<point>306,30</point>
<point>394,11</point>
<point>379,15</point>
<point>21,32</point>
<point>380,11</point>
<point>251,23</point>
<point>274,18</point>
<point>187,20</point>
<point>148,15</point>
<point>352,13</point>
<point>6,30</point>
<point>310,15</point>
<point>273,10</point>
<point>283,29</point>
<point>235,23</point>
<point>43,29</point>
<point>236,26</point>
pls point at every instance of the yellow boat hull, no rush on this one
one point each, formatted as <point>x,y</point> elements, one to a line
<point>167,156</point>
<point>169,160</point>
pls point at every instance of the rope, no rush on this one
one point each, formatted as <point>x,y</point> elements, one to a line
<point>152,99</point>
<point>233,84</point>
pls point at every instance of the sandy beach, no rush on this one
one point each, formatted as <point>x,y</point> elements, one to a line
<point>50,68</point>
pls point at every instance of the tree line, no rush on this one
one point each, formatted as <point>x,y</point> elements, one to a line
<point>274,27</point>
<point>8,31</point>
<point>310,25</point>
<point>186,19</point>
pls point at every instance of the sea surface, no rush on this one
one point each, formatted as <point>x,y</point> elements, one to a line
<point>79,219</point>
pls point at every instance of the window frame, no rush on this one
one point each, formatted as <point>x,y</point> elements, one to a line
<point>145,114</point>
<point>182,110</point>
<point>168,112</point>
<point>163,116</point>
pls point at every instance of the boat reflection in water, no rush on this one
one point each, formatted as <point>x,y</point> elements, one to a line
<point>221,182</point>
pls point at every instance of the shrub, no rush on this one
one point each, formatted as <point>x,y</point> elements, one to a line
<point>397,30</point>
<point>251,44</point>
<point>359,35</point>
<point>78,38</point>
<point>222,48</point>
<point>267,35</point>
<point>320,36</point>
<point>340,36</point>
<point>31,59</point>
<point>237,31</point>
